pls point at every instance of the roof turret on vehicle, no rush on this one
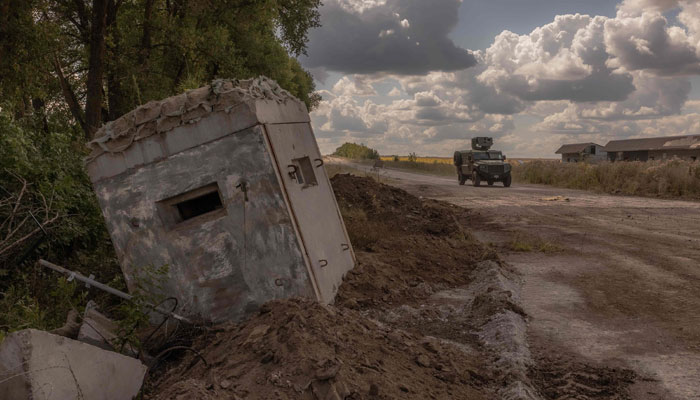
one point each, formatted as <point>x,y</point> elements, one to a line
<point>482,143</point>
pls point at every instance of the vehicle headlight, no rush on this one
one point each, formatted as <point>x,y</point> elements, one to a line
<point>483,167</point>
<point>507,167</point>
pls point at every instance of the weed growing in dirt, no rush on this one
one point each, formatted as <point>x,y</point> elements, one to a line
<point>673,178</point>
<point>527,243</point>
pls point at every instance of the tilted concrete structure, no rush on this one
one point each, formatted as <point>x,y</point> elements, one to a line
<point>224,184</point>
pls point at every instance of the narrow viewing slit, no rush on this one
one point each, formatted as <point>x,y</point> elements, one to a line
<point>199,205</point>
<point>205,200</point>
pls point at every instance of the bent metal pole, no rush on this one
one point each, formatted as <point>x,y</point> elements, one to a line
<point>91,282</point>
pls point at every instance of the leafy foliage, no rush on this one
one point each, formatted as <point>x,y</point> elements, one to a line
<point>66,66</point>
<point>135,314</point>
<point>356,152</point>
<point>99,59</point>
<point>49,162</point>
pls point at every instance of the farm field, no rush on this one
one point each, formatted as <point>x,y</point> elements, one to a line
<point>424,160</point>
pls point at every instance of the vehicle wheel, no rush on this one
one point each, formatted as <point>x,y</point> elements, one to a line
<point>476,180</point>
<point>490,183</point>
<point>458,158</point>
<point>462,178</point>
<point>506,182</point>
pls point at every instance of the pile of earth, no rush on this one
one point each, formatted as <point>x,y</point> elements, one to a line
<point>407,249</point>
<point>298,349</point>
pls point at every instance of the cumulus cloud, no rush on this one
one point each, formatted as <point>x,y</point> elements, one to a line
<point>394,92</point>
<point>577,78</point>
<point>636,7</point>
<point>357,86</point>
<point>647,42</point>
<point>392,36</point>
<point>563,60</point>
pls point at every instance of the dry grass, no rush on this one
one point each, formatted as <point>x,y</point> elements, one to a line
<point>432,167</point>
<point>527,243</point>
<point>424,160</point>
<point>674,178</point>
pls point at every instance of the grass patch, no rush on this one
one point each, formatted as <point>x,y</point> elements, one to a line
<point>673,178</point>
<point>433,167</point>
<point>529,243</point>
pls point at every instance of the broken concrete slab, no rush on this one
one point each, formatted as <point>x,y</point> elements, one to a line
<point>97,329</point>
<point>39,365</point>
<point>72,326</point>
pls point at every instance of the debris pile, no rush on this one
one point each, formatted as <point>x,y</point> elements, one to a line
<point>298,349</point>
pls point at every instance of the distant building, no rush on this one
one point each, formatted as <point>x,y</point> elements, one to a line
<point>578,152</point>
<point>659,148</point>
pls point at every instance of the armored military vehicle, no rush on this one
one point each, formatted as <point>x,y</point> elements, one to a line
<point>482,164</point>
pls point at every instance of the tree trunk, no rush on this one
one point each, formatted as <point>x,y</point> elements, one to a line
<point>93,103</point>
<point>69,95</point>
<point>145,52</point>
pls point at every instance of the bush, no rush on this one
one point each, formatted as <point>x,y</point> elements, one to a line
<point>356,152</point>
<point>47,210</point>
<point>672,178</point>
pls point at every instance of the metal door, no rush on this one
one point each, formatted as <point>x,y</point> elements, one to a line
<point>313,205</point>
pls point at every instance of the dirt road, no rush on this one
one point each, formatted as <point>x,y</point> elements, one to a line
<point>621,291</point>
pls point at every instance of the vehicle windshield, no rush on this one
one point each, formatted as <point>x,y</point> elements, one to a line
<point>488,155</point>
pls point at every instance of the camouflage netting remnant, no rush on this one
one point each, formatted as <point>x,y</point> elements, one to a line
<point>187,108</point>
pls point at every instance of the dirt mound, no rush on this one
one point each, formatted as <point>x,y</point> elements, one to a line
<point>298,349</point>
<point>564,377</point>
<point>402,211</point>
<point>407,248</point>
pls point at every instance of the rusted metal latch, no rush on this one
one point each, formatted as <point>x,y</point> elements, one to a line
<point>244,188</point>
<point>323,263</point>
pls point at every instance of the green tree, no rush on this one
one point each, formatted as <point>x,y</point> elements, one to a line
<point>356,151</point>
<point>98,59</point>
<point>66,67</point>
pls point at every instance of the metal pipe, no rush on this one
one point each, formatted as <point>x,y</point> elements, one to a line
<point>91,282</point>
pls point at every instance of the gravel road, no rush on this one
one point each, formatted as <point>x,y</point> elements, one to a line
<point>623,291</point>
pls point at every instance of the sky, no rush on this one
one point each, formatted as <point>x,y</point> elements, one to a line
<point>426,76</point>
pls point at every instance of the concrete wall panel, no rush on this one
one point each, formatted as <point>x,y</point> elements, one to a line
<point>314,207</point>
<point>223,265</point>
